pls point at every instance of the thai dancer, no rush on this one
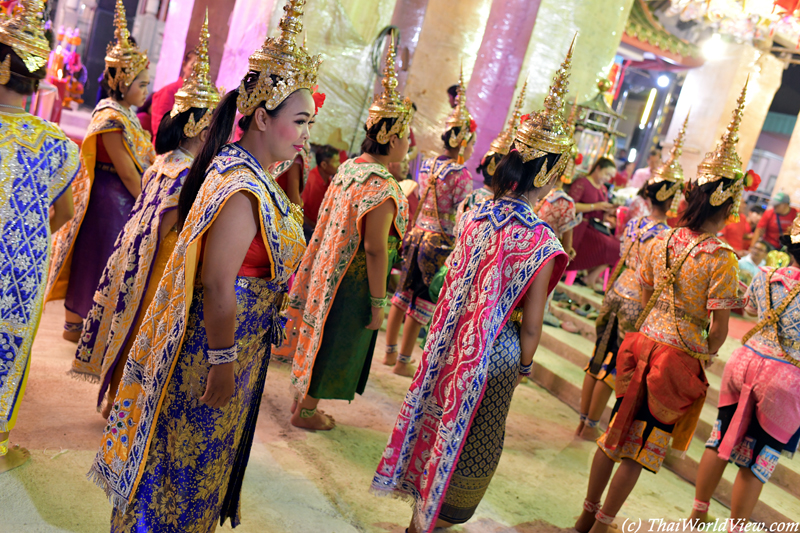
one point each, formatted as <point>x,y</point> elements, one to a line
<point>196,371</point>
<point>448,437</point>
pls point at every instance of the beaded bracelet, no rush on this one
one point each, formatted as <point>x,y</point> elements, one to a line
<point>526,370</point>
<point>378,302</point>
<point>226,355</point>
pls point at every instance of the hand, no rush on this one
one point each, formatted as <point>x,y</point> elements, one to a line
<point>604,206</point>
<point>571,253</point>
<point>220,385</point>
<point>377,318</point>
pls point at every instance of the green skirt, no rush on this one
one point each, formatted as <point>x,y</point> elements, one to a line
<point>341,368</point>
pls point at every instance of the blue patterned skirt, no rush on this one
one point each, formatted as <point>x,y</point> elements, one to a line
<point>484,442</point>
<point>198,455</point>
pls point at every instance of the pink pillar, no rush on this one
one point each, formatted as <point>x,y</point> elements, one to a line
<point>408,16</point>
<point>497,69</point>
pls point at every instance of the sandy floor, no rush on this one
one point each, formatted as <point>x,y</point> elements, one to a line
<point>299,481</point>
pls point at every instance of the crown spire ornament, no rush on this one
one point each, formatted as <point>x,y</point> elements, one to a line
<point>283,65</point>
<point>461,118</point>
<point>390,103</point>
<point>545,132</point>
<point>502,143</point>
<point>123,56</point>
<point>724,162</point>
<point>23,31</point>
<point>197,90</point>
<point>670,173</point>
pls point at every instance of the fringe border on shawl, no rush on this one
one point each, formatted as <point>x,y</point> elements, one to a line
<point>83,376</point>
<point>118,501</point>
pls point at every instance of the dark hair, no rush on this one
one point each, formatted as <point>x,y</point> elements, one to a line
<point>453,91</point>
<point>757,209</point>
<point>370,145</point>
<point>483,168</point>
<point>116,94</point>
<point>219,132</point>
<point>21,81</point>
<point>790,247</point>
<point>653,153</point>
<point>324,152</point>
<point>650,192</point>
<point>699,208</point>
<point>515,176</point>
<point>452,133</point>
<point>187,56</point>
<point>601,163</point>
<point>170,132</point>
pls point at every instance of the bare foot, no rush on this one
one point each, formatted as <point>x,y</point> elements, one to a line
<point>585,522</point>
<point>293,408</point>
<point>15,457</point>
<point>405,369</point>
<point>319,421</point>
<point>389,359</point>
<point>590,434</point>
<point>580,429</point>
<point>71,336</point>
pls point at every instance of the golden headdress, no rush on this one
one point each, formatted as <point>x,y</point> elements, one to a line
<point>390,104</point>
<point>545,132</point>
<point>502,143</point>
<point>460,118</point>
<point>283,65</point>
<point>670,172</point>
<point>123,56</point>
<point>794,233</point>
<point>23,31</point>
<point>197,90</point>
<point>724,162</point>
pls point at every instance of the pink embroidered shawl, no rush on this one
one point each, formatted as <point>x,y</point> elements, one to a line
<point>501,247</point>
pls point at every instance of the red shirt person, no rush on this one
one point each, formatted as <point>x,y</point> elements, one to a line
<point>164,98</point>
<point>319,178</point>
<point>776,221</point>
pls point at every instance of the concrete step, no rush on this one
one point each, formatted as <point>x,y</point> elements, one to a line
<point>563,378</point>
<point>578,350</point>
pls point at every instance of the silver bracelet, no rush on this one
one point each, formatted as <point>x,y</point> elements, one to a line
<point>526,370</point>
<point>379,302</point>
<point>226,355</point>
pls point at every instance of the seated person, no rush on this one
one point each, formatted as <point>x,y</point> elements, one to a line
<point>748,265</point>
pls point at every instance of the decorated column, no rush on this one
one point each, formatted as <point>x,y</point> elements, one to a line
<point>789,176</point>
<point>711,92</point>
<point>408,17</point>
<point>599,23</point>
<point>451,35</point>
<point>498,66</point>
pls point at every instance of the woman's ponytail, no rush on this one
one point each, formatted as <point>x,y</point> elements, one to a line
<point>219,132</point>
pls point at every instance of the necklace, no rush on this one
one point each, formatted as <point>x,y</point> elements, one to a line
<point>13,107</point>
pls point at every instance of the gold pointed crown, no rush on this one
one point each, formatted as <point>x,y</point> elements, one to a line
<point>123,56</point>
<point>671,170</point>
<point>502,143</point>
<point>724,162</point>
<point>23,31</point>
<point>197,90</point>
<point>390,103</point>
<point>283,65</point>
<point>545,132</point>
<point>459,117</point>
